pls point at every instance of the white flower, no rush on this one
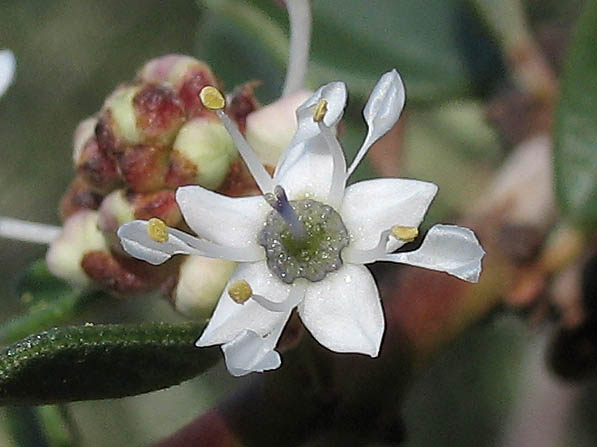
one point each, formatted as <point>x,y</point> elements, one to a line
<point>308,251</point>
<point>7,69</point>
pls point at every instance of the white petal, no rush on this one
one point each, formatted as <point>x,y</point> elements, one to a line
<point>8,65</point>
<point>249,352</point>
<point>228,221</point>
<point>446,248</point>
<point>136,241</point>
<point>373,206</point>
<point>230,318</point>
<point>311,174</point>
<point>335,94</point>
<point>383,109</point>
<point>343,312</point>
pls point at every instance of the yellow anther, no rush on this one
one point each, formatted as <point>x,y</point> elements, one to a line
<point>405,234</point>
<point>212,98</point>
<point>240,291</point>
<point>157,229</point>
<point>320,110</point>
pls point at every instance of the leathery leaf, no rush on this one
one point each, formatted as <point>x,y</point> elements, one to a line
<point>100,361</point>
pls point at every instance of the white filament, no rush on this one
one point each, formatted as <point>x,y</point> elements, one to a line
<point>358,256</point>
<point>339,170</point>
<point>294,298</point>
<point>258,171</point>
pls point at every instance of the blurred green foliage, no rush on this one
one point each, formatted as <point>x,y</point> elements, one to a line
<point>576,131</point>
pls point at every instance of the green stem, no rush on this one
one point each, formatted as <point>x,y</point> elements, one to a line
<point>53,314</point>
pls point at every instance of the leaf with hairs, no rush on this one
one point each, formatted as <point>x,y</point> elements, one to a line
<point>100,361</point>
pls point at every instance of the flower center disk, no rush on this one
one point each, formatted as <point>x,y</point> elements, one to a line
<point>312,256</point>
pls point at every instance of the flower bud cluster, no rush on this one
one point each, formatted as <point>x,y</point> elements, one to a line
<point>151,136</point>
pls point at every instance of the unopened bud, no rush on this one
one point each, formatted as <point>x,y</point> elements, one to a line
<point>172,69</point>
<point>191,78</point>
<point>200,283</point>
<point>186,75</point>
<point>79,196</point>
<point>144,167</point>
<point>84,131</point>
<point>159,113</point>
<point>270,129</point>
<point>160,69</point>
<point>206,145</point>
<point>239,181</point>
<point>123,275</point>
<point>80,235</point>
<point>114,211</point>
<point>161,204</point>
<point>241,103</point>
<point>120,116</point>
<point>97,169</point>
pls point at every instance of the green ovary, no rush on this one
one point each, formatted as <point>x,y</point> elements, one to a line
<point>311,257</point>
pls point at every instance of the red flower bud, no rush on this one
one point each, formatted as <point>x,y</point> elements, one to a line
<point>144,168</point>
<point>161,204</point>
<point>242,101</point>
<point>96,168</point>
<point>123,275</point>
<point>159,113</point>
<point>79,196</point>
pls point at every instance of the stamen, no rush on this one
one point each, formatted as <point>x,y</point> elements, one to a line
<point>157,229</point>
<point>280,203</point>
<point>299,15</point>
<point>240,291</point>
<point>295,296</point>
<point>339,165</point>
<point>212,98</point>
<point>320,110</point>
<point>358,256</point>
<point>405,234</point>
<point>22,230</point>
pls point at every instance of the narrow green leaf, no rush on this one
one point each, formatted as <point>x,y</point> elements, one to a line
<point>576,125</point>
<point>101,361</point>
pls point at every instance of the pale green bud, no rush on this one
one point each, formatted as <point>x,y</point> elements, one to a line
<point>115,211</point>
<point>123,115</point>
<point>200,284</point>
<point>80,235</point>
<point>207,146</point>
<point>84,131</point>
<point>270,129</point>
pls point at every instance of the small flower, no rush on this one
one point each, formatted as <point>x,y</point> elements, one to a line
<point>303,243</point>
